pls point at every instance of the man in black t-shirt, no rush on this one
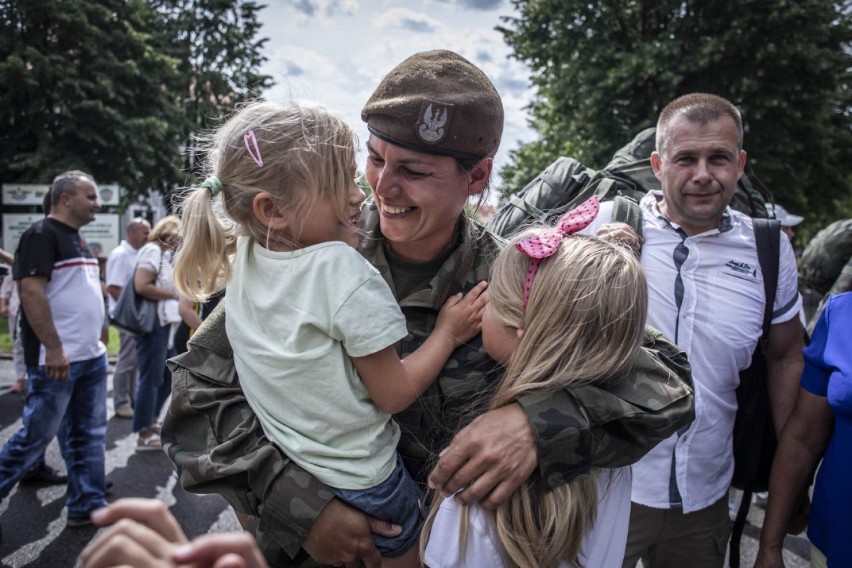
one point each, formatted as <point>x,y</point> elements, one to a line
<point>62,313</point>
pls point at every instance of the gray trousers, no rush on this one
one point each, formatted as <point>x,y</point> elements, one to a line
<point>668,538</point>
<point>126,371</point>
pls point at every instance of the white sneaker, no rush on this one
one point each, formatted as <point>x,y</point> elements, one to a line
<point>148,442</point>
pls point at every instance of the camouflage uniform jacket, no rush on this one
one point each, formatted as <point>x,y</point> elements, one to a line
<point>825,257</point>
<point>827,264</point>
<point>218,445</point>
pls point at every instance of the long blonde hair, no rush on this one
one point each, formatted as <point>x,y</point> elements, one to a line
<point>308,156</point>
<point>583,324</point>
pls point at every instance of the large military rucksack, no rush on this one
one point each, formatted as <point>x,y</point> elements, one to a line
<point>566,183</point>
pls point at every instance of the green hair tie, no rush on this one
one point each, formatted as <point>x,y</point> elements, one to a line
<point>213,184</point>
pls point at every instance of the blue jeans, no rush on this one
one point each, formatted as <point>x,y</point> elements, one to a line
<point>155,379</point>
<point>397,499</point>
<point>75,410</point>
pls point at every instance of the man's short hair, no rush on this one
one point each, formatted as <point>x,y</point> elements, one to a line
<point>697,107</point>
<point>136,221</point>
<point>66,182</point>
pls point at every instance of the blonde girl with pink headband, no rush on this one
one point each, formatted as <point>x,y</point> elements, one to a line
<point>566,311</point>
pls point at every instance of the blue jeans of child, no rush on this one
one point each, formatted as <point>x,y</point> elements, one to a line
<point>155,380</point>
<point>75,410</point>
<point>397,499</point>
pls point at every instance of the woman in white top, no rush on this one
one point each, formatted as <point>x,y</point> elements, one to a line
<point>153,280</point>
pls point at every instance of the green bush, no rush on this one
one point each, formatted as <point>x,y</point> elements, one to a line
<point>6,339</point>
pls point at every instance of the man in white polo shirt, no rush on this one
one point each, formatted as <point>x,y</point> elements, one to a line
<point>120,266</point>
<point>705,293</point>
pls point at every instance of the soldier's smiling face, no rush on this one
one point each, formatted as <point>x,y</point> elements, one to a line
<point>419,198</point>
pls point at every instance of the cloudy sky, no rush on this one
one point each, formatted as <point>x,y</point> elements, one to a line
<point>337,51</point>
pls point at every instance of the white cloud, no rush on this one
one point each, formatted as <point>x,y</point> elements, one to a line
<point>339,53</point>
<point>408,20</point>
<point>313,8</point>
<point>480,4</point>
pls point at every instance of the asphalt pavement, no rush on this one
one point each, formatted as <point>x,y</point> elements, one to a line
<point>33,518</point>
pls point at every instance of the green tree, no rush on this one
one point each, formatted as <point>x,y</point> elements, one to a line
<point>218,52</point>
<point>604,70</point>
<point>119,88</point>
<point>81,86</point>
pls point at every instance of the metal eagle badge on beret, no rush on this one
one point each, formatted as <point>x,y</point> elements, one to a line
<point>433,121</point>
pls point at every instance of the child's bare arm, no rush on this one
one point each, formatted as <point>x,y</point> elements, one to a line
<point>393,384</point>
<point>460,319</point>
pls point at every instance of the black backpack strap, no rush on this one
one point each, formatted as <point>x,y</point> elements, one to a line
<point>528,208</point>
<point>626,210</point>
<point>767,235</point>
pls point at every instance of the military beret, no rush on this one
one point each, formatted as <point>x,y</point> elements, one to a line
<point>437,102</point>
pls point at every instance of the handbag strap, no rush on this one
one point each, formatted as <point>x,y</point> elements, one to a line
<point>132,279</point>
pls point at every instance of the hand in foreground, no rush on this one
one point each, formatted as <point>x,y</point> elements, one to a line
<point>342,534</point>
<point>226,550</point>
<point>619,233</point>
<point>488,459</point>
<point>144,534</point>
<point>461,315</point>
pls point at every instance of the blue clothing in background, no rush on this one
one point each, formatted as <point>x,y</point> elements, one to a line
<point>828,373</point>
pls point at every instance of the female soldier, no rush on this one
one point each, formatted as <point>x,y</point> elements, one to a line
<point>435,124</point>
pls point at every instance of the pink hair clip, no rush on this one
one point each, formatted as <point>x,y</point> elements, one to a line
<point>544,245</point>
<point>252,148</point>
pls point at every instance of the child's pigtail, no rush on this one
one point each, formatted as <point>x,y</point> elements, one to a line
<point>203,264</point>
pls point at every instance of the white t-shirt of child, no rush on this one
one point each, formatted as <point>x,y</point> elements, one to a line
<point>294,320</point>
<point>603,547</point>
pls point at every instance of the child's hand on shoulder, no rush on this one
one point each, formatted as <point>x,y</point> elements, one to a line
<point>461,315</point>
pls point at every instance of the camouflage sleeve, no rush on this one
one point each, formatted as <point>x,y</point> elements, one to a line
<point>612,425</point>
<point>218,446</point>
<point>844,281</point>
<point>841,285</point>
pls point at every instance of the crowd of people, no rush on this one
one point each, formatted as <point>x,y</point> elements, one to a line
<point>384,382</point>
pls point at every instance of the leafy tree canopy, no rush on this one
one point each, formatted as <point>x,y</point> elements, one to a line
<point>604,70</point>
<point>117,87</point>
